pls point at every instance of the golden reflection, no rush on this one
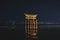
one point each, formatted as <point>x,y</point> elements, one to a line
<point>31,27</point>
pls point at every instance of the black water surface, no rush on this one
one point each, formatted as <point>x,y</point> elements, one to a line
<point>19,34</point>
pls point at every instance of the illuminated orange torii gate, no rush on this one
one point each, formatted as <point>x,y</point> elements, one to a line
<point>31,28</point>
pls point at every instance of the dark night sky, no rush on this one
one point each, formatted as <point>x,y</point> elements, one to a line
<point>47,10</point>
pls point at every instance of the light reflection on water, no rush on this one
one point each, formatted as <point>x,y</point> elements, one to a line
<point>44,33</point>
